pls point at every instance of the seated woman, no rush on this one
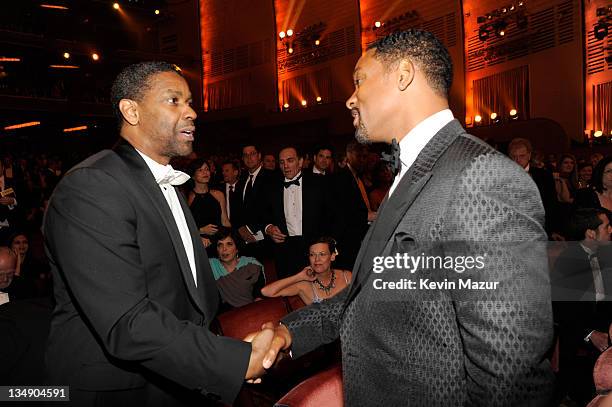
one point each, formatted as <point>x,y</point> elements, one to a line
<point>31,278</point>
<point>239,278</point>
<point>316,282</point>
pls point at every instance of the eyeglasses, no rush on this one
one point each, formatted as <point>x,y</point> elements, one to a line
<point>318,255</point>
<point>251,154</point>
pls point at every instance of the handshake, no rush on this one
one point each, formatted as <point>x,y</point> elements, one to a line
<point>265,347</point>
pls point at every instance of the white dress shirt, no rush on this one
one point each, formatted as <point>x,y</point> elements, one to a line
<point>417,138</point>
<point>4,298</point>
<point>159,172</point>
<point>227,198</point>
<point>292,202</point>
<point>315,170</point>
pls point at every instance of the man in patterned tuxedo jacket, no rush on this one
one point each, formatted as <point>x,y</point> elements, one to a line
<point>456,334</point>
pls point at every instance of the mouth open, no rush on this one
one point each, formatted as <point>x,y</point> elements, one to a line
<point>188,133</point>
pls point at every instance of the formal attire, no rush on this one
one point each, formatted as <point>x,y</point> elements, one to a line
<point>350,222</point>
<point>445,347</point>
<point>134,291</point>
<point>205,209</point>
<point>233,202</point>
<point>301,209</point>
<point>581,292</point>
<point>546,186</point>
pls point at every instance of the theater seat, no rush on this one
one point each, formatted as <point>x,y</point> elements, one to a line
<point>602,376</point>
<point>240,322</point>
<point>322,389</point>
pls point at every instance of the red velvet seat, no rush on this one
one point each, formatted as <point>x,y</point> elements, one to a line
<point>322,389</point>
<point>602,376</point>
<point>240,322</point>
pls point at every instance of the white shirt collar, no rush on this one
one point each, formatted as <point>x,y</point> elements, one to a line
<point>315,170</point>
<point>299,174</point>
<point>256,172</point>
<point>159,170</point>
<point>417,138</point>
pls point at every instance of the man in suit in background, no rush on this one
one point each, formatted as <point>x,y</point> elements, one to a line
<point>453,196</point>
<point>134,290</point>
<point>233,203</point>
<point>322,160</point>
<point>581,292</point>
<point>353,212</point>
<point>297,212</point>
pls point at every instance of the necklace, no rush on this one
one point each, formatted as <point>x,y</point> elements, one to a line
<point>332,283</point>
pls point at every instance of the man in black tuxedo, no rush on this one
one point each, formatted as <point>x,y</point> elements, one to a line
<point>581,293</point>
<point>134,290</point>
<point>322,160</point>
<point>406,342</point>
<point>297,212</point>
<point>520,151</point>
<point>233,202</point>
<point>252,189</point>
<point>352,206</point>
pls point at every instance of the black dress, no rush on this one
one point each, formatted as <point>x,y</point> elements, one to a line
<point>206,210</point>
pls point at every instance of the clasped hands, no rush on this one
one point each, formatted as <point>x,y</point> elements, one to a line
<point>266,345</point>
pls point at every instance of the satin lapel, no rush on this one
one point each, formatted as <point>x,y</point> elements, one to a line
<point>144,180</point>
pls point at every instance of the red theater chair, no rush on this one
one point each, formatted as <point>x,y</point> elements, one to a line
<point>322,389</point>
<point>240,322</point>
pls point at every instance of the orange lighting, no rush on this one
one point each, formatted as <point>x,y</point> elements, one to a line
<point>317,42</point>
<point>78,128</point>
<point>493,116</point>
<point>281,34</point>
<point>477,118</point>
<point>64,66</point>
<point>598,133</point>
<point>377,24</point>
<point>286,105</point>
<point>7,59</point>
<point>304,102</point>
<point>116,6</point>
<point>318,98</point>
<point>289,32</point>
<point>67,55</point>
<point>21,125</point>
<point>290,50</point>
<point>95,56</point>
<point>53,6</point>
<point>156,12</point>
<point>513,112</point>
<point>502,33</point>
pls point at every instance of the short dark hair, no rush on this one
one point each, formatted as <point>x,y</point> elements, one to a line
<point>196,164</point>
<point>225,232</point>
<point>298,153</point>
<point>518,142</point>
<point>133,81</point>
<point>598,173</point>
<point>424,50</point>
<point>584,219</point>
<point>251,145</point>
<point>320,147</point>
<point>328,240</point>
<point>233,163</point>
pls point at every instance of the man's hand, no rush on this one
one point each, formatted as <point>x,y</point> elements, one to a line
<point>599,340</point>
<point>260,344</point>
<point>246,235</point>
<point>372,216</point>
<point>7,200</point>
<point>209,229</point>
<point>275,233</point>
<point>281,340</point>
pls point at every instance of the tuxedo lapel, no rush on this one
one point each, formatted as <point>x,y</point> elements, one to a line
<point>144,180</point>
<point>395,207</point>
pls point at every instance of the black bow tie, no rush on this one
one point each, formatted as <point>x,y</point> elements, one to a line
<point>393,159</point>
<point>295,182</point>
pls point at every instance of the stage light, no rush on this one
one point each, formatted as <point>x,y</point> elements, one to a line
<point>66,55</point>
<point>477,118</point>
<point>512,7</point>
<point>156,12</point>
<point>116,6</point>
<point>53,6</point>
<point>598,133</point>
<point>483,34</point>
<point>319,99</point>
<point>493,116</point>
<point>9,59</point>
<point>521,4</point>
<point>21,125</point>
<point>289,32</point>
<point>281,34</point>
<point>290,50</point>
<point>600,30</point>
<point>64,66</point>
<point>377,24</point>
<point>304,103</point>
<point>78,128</point>
<point>513,114</point>
<point>95,56</point>
<point>500,28</point>
<point>317,42</point>
<point>285,107</point>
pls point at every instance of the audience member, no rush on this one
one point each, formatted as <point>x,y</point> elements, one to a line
<point>297,210</point>
<point>383,178</point>
<point>599,195</point>
<point>595,158</point>
<point>231,173</point>
<point>269,162</point>
<point>585,173</point>
<point>8,266</point>
<point>239,278</point>
<point>322,163</point>
<point>580,287</point>
<point>317,281</point>
<point>566,180</point>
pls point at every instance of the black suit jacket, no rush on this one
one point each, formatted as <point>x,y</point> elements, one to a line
<point>129,314</point>
<point>546,186</point>
<point>446,347</point>
<point>253,205</point>
<point>316,207</point>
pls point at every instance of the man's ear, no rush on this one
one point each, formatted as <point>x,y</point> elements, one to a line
<point>406,74</point>
<point>129,110</point>
<point>590,234</point>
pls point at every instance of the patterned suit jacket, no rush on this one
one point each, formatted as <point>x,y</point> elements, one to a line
<point>446,346</point>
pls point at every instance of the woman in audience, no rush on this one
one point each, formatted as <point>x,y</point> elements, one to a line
<point>599,195</point>
<point>207,205</point>
<point>566,180</point>
<point>31,277</point>
<point>316,282</point>
<point>239,278</point>
<point>585,173</point>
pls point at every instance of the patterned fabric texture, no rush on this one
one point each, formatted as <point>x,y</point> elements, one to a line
<point>446,346</point>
